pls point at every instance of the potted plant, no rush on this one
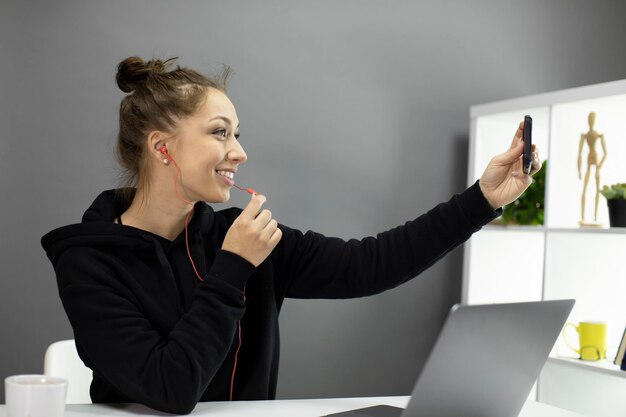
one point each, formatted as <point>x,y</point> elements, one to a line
<point>616,200</point>
<point>528,208</point>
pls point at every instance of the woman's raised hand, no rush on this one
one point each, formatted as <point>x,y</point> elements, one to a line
<point>504,180</point>
<point>254,234</point>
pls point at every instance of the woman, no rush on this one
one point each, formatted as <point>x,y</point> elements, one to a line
<point>172,303</point>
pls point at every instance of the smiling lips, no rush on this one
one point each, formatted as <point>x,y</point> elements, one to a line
<point>227,175</point>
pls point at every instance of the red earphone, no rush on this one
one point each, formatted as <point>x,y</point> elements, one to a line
<point>166,154</point>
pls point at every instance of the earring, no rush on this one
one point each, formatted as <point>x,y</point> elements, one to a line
<point>166,161</point>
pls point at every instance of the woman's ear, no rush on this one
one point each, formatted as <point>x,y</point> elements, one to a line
<point>157,147</point>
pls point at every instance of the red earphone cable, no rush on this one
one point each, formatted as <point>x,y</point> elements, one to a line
<point>163,150</point>
<point>232,378</point>
<point>188,218</point>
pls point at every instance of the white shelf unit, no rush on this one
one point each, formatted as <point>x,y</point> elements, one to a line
<point>559,259</point>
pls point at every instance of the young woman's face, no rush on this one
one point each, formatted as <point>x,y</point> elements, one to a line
<point>207,150</point>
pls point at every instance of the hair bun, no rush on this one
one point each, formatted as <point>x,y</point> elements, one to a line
<point>134,71</point>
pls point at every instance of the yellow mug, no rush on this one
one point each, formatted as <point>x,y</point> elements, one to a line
<point>591,340</point>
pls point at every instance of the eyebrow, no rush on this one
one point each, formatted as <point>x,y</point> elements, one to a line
<point>224,118</point>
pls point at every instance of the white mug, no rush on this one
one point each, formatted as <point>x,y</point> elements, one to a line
<point>35,396</point>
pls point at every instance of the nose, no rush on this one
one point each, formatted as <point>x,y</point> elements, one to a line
<point>236,153</point>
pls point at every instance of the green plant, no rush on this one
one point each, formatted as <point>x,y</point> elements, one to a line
<point>615,191</point>
<point>528,208</point>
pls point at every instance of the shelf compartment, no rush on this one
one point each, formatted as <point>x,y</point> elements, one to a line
<point>589,267</point>
<point>586,389</point>
<point>501,271</point>
<point>568,122</point>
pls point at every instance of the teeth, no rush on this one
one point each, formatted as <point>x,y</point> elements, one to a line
<point>227,174</point>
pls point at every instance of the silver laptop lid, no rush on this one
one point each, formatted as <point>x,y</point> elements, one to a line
<point>486,359</point>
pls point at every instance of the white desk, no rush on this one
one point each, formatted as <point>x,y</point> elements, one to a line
<point>278,408</point>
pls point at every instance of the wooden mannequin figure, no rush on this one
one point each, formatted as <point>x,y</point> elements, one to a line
<point>590,138</point>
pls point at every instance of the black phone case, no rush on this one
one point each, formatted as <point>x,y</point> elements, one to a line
<point>527,135</point>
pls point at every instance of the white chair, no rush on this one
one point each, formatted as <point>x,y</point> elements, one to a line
<point>62,360</point>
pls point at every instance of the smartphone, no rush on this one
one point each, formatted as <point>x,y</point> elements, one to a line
<point>527,136</point>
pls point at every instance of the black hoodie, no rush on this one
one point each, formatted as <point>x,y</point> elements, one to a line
<point>154,334</point>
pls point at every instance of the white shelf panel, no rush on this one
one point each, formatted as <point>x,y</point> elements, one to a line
<point>574,230</point>
<point>589,267</point>
<point>605,367</point>
<point>500,271</point>
<point>583,231</point>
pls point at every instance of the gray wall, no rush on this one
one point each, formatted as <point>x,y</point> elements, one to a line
<point>354,115</point>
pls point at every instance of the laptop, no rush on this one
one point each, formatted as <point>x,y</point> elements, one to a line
<point>484,362</point>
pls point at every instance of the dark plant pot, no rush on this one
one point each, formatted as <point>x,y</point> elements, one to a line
<point>617,212</point>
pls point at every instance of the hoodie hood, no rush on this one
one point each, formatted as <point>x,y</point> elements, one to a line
<point>97,228</point>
